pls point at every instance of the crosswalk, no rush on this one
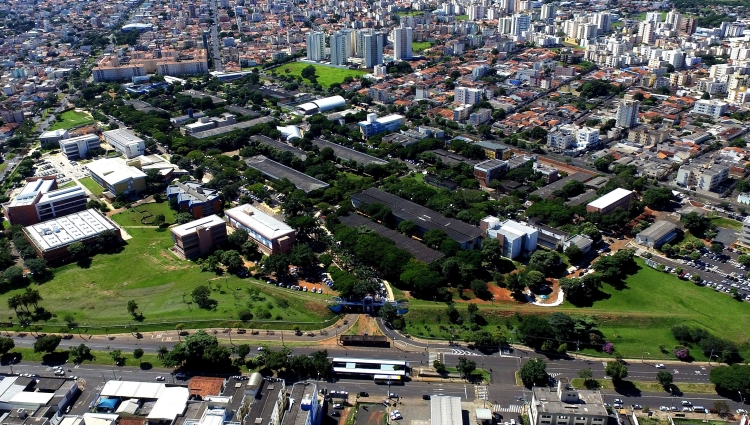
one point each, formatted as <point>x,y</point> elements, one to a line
<point>513,408</point>
<point>463,352</point>
<point>554,374</point>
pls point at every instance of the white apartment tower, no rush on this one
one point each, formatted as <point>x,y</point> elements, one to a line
<point>647,32</point>
<point>627,113</point>
<point>467,96</point>
<point>402,43</point>
<point>373,50</point>
<point>339,43</point>
<point>521,23</point>
<point>316,46</point>
<point>548,12</point>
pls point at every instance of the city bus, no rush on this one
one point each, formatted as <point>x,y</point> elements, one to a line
<point>369,368</point>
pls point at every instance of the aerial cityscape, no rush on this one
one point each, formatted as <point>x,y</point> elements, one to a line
<point>241,212</point>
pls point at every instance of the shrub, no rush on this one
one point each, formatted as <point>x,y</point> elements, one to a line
<point>681,352</point>
<point>608,347</point>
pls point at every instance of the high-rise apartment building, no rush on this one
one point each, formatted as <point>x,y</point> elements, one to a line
<point>316,46</point>
<point>521,23</point>
<point>373,50</point>
<point>402,43</point>
<point>647,32</point>
<point>467,96</point>
<point>548,12</point>
<point>627,113</point>
<point>339,43</point>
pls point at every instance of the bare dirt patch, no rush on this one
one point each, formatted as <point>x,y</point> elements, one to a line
<point>367,325</point>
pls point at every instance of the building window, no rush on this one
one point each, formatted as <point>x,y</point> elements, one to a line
<point>562,418</point>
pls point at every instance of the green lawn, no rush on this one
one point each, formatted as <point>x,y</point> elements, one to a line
<point>96,294</point>
<point>326,75</point>
<point>640,317</point>
<point>68,184</point>
<point>727,222</point>
<point>91,185</point>
<point>642,16</point>
<point>410,13</point>
<point>462,17</point>
<point>147,213</point>
<point>72,119</point>
<point>418,46</point>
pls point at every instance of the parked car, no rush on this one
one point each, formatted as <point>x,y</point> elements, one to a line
<point>159,378</point>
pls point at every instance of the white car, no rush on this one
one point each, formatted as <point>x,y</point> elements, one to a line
<point>663,408</point>
<point>395,415</point>
<point>159,378</point>
<point>261,348</point>
<point>660,366</point>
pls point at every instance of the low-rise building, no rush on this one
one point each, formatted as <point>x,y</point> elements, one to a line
<point>53,136</point>
<point>271,235</point>
<point>125,142</point>
<point>714,108</point>
<point>41,200</point>
<point>702,177</point>
<point>744,236</point>
<point>562,139</point>
<point>494,150</point>
<point>79,147</point>
<point>568,406</point>
<point>584,243</point>
<point>517,238</point>
<point>492,169</point>
<point>199,237</point>
<point>618,198</point>
<point>116,176</point>
<point>193,198</point>
<point>657,234</point>
<point>51,238</point>
<point>375,125</point>
<point>209,123</point>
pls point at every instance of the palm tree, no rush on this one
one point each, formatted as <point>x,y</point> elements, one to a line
<point>161,352</point>
<point>15,302</point>
<point>31,296</point>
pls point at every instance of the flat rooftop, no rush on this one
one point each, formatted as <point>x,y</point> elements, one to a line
<point>348,154</point>
<point>122,136</point>
<point>276,171</point>
<point>229,128</point>
<point>610,198</point>
<point>589,402</point>
<point>30,191</point>
<point>187,228</point>
<point>255,219</point>
<point>114,170</point>
<point>417,249</point>
<point>280,146</point>
<point>65,230</point>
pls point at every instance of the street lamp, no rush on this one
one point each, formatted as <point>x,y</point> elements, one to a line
<point>742,399</point>
<point>643,353</point>
<point>11,364</point>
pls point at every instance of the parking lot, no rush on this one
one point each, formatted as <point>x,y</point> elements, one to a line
<point>720,272</point>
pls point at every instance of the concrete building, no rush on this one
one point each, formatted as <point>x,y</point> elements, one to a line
<point>714,108</point>
<point>627,113</point>
<point>584,243</point>
<point>51,238</point>
<point>321,105</point>
<point>271,235</point>
<point>566,406</point>
<point>445,410</point>
<point>117,73</point>
<point>702,177</point>
<point>618,198</point>
<point>658,234</point>
<point>517,238</point>
<point>193,198</point>
<point>492,169</point>
<point>375,125</point>
<point>402,38</point>
<point>187,67</point>
<point>562,139</point>
<point>467,96</point>
<point>339,48</point>
<point>494,150</point>
<point>744,236</point>
<point>116,176</point>
<point>587,136</point>
<point>125,142</point>
<point>79,147</point>
<point>49,137</point>
<point>305,408</point>
<point>209,123</point>
<point>372,49</point>
<point>316,46</point>
<point>41,200</point>
<point>199,237</point>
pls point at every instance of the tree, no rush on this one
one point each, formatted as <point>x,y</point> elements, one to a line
<point>534,372</point>
<point>716,248</point>
<point>695,223</point>
<point>534,280</point>
<point>231,259</point>
<point>602,164</point>
<point>545,262</point>
<point>722,408</point>
<point>199,350</point>
<point>183,217</point>
<point>161,352</point>
<point>616,370</point>
<point>76,249</point>
<point>574,253</point>
<point>202,296</point>
<point>581,290</point>
<point>37,266</point>
<point>138,353</point>
<point>466,367</point>
<point>80,353</point>
<point>238,237</point>
<point>665,379</point>
<point>116,356</point>
<point>407,227</point>
<point>439,366</point>
<point>47,344</point>
<point>132,307</point>
<point>243,350</point>
<point>657,198</point>
<point>744,259</point>
<point>479,288</point>
<point>731,379</point>
<point>388,312</point>
<point>308,72</point>
<point>6,344</point>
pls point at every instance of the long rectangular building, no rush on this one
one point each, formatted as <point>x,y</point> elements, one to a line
<point>41,200</point>
<point>125,142</point>
<point>618,198</point>
<point>79,147</point>
<point>275,171</point>
<point>271,235</point>
<point>279,146</point>
<point>52,238</point>
<point>468,236</point>
<point>199,237</point>
<point>348,154</point>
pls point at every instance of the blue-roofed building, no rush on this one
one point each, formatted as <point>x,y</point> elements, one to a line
<point>193,198</point>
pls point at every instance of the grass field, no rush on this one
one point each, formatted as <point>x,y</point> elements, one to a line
<point>326,74</point>
<point>462,17</point>
<point>72,119</point>
<point>642,16</point>
<point>418,46</point>
<point>637,319</point>
<point>727,222</point>
<point>410,13</point>
<point>68,184</point>
<point>652,387</point>
<point>91,185</point>
<point>96,294</point>
<point>133,216</point>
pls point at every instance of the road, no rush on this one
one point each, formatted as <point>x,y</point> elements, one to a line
<point>215,49</point>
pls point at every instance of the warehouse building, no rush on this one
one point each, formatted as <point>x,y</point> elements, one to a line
<point>445,410</point>
<point>52,238</point>
<point>271,235</point>
<point>348,154</point>
<point>125,142</point>
<point>321,105</point>
<point>468,236</point>
<point>658,234</point>
<point>618,198</point>
<point>41,200</point>
<point>275,171</point>
<point>199,237</point>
